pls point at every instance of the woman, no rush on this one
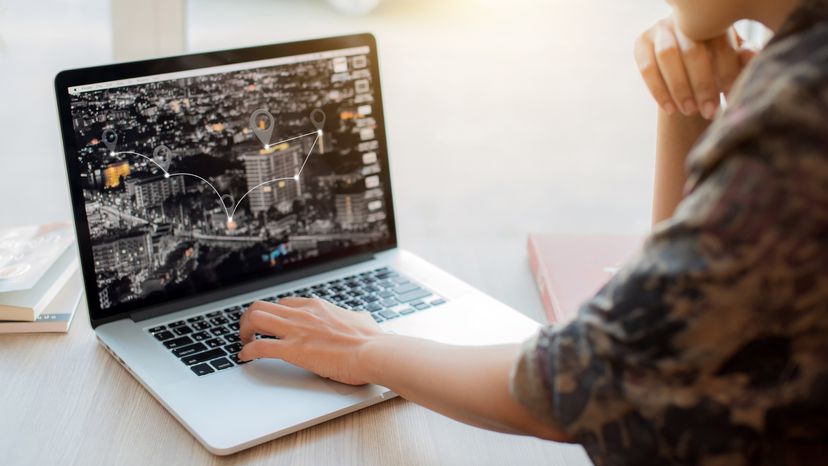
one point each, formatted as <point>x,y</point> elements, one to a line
<point>711,347</point>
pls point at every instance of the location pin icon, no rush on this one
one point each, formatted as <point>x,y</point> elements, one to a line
<point>317,118</point>
<point>229,203</point>
<point>162,156</point>
<point>261,122</point>
<point>110,139</point>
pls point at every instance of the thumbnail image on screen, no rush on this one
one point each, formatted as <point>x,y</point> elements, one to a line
<point>192,181</point>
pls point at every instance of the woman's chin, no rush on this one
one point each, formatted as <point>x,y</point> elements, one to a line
<point>700,31</point>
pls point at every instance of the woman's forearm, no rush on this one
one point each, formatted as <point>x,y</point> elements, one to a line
<point>676,136</point>
<point>469,384</point>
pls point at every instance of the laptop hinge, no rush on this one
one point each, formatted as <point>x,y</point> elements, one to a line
<point>205,298</point>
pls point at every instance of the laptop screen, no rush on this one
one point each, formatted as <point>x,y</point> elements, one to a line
<point>199,179</point>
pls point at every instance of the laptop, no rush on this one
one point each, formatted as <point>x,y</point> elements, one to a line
<point>205,182</point>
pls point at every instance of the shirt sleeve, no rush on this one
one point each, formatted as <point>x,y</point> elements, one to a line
<point>672,360</point>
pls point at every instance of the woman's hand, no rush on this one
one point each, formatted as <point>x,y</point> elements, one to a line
<point>467,383</point>
<point>312,334</point>
<point>688,76</point>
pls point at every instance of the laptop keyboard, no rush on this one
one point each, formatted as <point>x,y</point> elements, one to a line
<point>209,342</point>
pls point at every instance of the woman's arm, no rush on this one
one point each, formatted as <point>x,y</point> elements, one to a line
<point>469,384</point>
<point>685,79</point>
<point>676,136</point>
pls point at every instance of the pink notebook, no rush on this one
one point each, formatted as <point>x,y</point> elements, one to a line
<point>569,269</point>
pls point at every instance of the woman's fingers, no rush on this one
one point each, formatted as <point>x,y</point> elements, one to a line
<point>266,348</point>
<point>256,321</point>
<point>308,304</point>
<point>648,67</point>
<point>726,58</point>
<point>699,65</point>
<point>670,63</point>
<point>279,309</point>
<point>689,75</point>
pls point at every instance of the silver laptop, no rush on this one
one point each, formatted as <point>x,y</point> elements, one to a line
<point>202,183</point>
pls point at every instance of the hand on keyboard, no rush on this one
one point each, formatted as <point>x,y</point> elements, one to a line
<point>312,333</point>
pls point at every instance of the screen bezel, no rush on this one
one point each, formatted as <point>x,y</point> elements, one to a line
<point>78,77</point>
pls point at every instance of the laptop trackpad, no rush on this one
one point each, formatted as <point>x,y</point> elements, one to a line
<point>470,320</point>
<point>283,374</point>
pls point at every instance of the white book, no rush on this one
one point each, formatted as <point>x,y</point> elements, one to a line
<point>27,304</point>
<point>57,317</point>
<point>27,253</point>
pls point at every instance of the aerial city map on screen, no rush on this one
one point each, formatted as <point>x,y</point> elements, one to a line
<point>192,181</point>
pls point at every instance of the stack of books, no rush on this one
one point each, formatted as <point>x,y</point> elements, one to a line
<point>40,279</point>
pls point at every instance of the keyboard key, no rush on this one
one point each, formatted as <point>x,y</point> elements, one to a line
<point>201,336</point>
<point>232,338</point>
<point>373,307</point>
<point>390,302</point>
<point>219,320</point>
<point>219,331</point>
<point>182,330</point>
<point>234,326</point>
<point>215,342</point>
<point>405,288</point>
<point>438,302</point>
<point>389,314</point>
<point>178,342</point>
<point>407,311</point>
<point>195,319</point>
<point>370,298</point>
<point>399,280</point>
<point>202,325</point>
<point>157,329</point>
<point>235,359</point>
<point>202,369</point>
<point>214,314</point>
<point>221,364</point>
<point>234,348</point>
<point>203,357</point>
<point>377,318</point>
<point>177,323</point>
<point>422,306</point>
<point>413,295</point>
<point>385,294</point>
<point>164,335</point>
<point>189,349</point>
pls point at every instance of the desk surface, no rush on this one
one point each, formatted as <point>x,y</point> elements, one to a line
<point>66,401</point>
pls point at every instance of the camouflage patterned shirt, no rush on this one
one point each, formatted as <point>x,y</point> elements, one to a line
<point>711,346</point>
